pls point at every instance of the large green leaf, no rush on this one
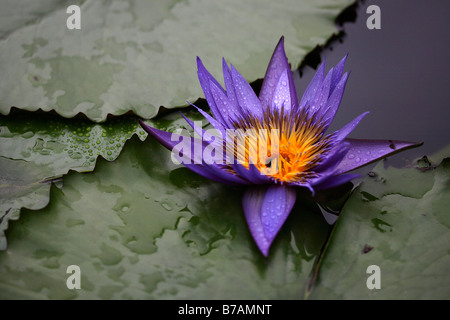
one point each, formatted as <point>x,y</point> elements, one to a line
<point>139,55</point>
<point>17,14</point>
<point>141,227</point>
<point>36,149</point>
<point>399,220</point>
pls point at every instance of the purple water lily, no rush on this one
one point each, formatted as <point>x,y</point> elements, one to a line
<point>300,154</point>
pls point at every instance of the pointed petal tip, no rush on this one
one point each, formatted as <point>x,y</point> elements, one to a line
<point>322,65</point>
<point>144,125</point>
<point>265,252</point>
<point>281,42</point>
<point>224,63</point>
<point>266,209</point>
<point>200,66</point>
<point>191,104</point>
<point>372,150</point>
<point>277,65</point>
<point>263,246</point>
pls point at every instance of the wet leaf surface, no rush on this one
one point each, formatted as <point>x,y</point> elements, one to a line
<point>140,55</point>
<point>398,219</point>
<point>141,227</point>
<point>38,148</point>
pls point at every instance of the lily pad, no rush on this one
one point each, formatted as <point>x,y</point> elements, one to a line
<point>142,227</point>
<point>139,55</point>
<point>36,149</point>
<point>398,220</point>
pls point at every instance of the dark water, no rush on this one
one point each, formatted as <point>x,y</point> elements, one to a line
<point>400,73</point>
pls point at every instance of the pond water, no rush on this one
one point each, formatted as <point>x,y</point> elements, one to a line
<point>400,73</point>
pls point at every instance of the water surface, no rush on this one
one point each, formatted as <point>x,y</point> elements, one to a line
<point>399,73</point>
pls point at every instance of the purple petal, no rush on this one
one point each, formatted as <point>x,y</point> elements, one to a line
<point>215,139</point>
<point>251,174</point>
<point>231,94</point>
<point>228,109</point>
<point>348,128</point>
<point>185,149</point>
<point>246,97</point>
<point>163,137</point>
<point>333,158</point>
<point>362,152</point>
<point>216,173</point>
<point>334,101</point>
<point>252,204</point>
<point>319,102</point>
<point>313,87</point>
<point>192,155</point>
<point>198,130</point>
<point>282,94</point>
<point>266,210</point>
<point>277,205</point>
<point>205,78</point>
<point>337,73</point>
<point>217,125</point>
<point>277,66</point>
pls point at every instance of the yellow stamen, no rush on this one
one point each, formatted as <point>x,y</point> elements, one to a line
<point>286,147</point>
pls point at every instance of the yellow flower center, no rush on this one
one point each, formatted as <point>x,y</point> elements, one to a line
<point>286,147</point>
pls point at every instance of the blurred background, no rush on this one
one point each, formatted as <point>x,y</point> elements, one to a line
<point>399,73</point>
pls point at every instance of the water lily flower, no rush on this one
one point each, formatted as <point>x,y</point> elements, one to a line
<point>301,154</point>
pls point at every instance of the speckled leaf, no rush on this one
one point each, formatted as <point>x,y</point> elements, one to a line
<point>141,227</point>
<point>37,149</point>
<point>139,55</point>
<point>18,14</point>
<point>399,220</point>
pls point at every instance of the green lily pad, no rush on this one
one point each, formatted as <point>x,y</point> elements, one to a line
<point>18,14</point>
<point>37,149</point>
<point>142,227</point>
<point>139,55</point>
<point>398,220</point>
